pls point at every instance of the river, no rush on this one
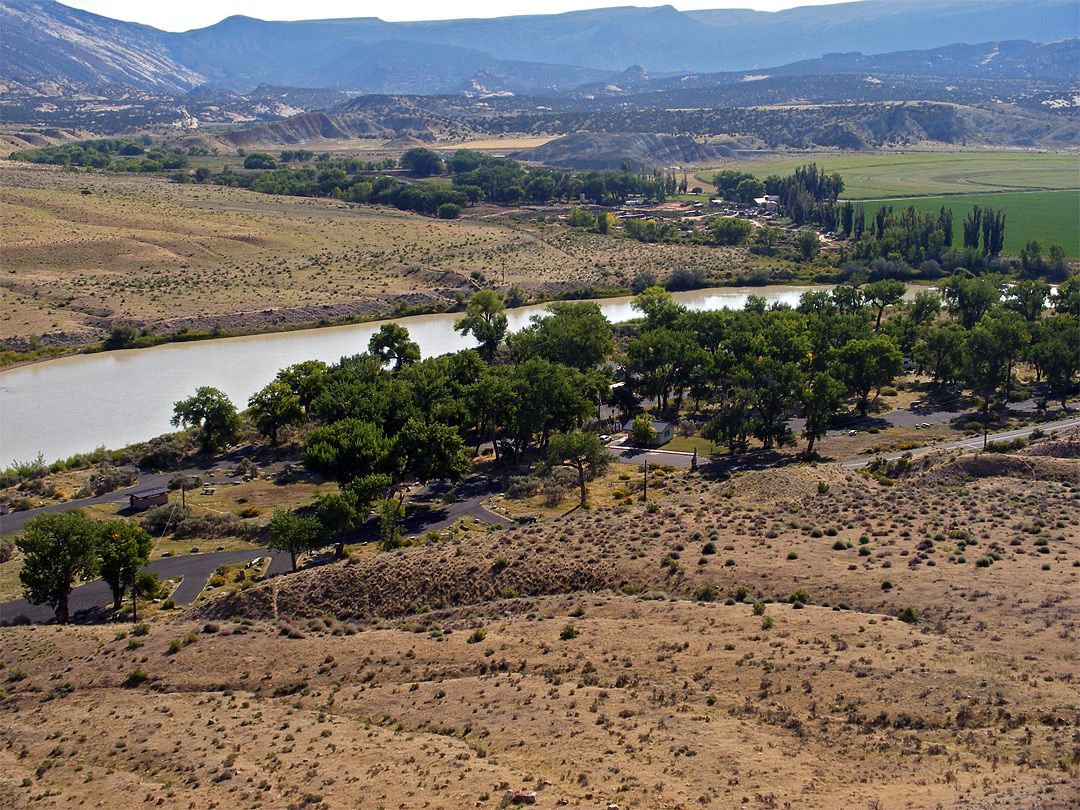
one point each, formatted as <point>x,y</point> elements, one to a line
<point>75,404</point>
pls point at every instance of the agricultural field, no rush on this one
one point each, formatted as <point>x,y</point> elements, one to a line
<point>804,637</point>
<point>1040,193</point>
<point>1052,217</point>
<point>888,176</point>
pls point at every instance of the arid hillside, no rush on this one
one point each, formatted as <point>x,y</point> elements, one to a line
<point>807,637</point>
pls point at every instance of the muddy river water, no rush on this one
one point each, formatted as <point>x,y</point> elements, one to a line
<point>75,404</point>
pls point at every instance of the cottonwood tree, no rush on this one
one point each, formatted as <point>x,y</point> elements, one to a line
<point>57,550</point>
<point>941,352</point>
<point>212,414</point>
<point>273,408</point>
<point>865,365</point>
<point>1057,351</point>
<point>295,534</point>
<point>391,344</point>
<point>307,380</point>
<point>348,449</point>
<point>985,362</point>
<point>123,549</point>
<point>485,319</point>
<point>421,162</point>
<point>822,396</point>
<point>582,451</point>
<point>573,333</point>
<point>882,294</point>
<point>345,510</point>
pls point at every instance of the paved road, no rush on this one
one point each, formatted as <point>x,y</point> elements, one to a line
<point>89,599</point>
<point>759,460</point>
<point>196,569</point>
<point>972,444</point>
<point>15,521</point>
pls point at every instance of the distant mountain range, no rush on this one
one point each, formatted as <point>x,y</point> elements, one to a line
<point>50,49</point>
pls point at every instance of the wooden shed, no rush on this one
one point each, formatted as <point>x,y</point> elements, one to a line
<point>146,498</point>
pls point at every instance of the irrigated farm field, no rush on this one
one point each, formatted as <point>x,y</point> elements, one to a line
<point>872,177</point>
<point>1039,193</point>
<point>1052,217</point>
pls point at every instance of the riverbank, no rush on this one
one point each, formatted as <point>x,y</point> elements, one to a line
<point>75,404</point>
<point>273,321</point>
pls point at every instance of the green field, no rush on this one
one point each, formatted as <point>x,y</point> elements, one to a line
<point>1052,217</point>
<point>869,177</point>
<point>1040,194</point>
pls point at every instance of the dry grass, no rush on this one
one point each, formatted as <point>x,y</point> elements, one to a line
<point>367,684</point>
<point>84,251</point>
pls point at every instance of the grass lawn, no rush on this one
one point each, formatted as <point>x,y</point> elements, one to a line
<point>688,444</point>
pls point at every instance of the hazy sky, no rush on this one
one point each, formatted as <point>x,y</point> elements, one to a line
<point>183,16</point>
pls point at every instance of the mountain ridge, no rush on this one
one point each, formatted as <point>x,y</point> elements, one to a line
<point>47,41</point>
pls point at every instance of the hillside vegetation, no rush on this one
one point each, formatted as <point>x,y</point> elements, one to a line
<point>797,667</point>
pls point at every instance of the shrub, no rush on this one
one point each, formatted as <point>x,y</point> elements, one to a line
<point>478,635</point>
<point>759,607</point>
<point>839,545</point>
<point>909,615</point>
<point>178,644</point>
<point>709,548</point>
<point>7,549</point>
<point>568,632</point>
<point>141,629</point>
<point>449,211</point>
<point>136,677</point>
<point>1006,446</point>
<point>706,593</point>
<point>793,555</point>
<point>767,623</point>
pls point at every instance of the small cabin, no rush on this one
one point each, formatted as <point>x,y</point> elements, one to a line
<point>147,498</point>
<point>665,432</point>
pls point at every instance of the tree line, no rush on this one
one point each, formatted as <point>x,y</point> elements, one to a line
<point>379,421</point>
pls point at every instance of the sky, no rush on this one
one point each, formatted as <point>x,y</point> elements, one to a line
<point>182,16</point>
